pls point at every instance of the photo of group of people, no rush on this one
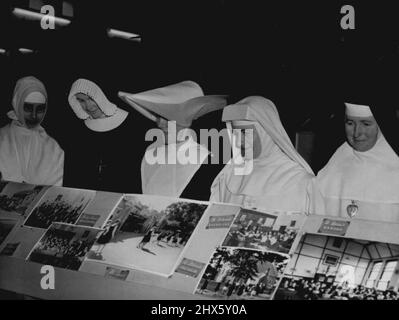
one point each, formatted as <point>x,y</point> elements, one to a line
<point>242,274</point>
<point>16,197</point>
<point>59,205</point>
<point>312,289</point>
<point>147,233</point>
<point>64,246</point>
<point>254,230</point>
<point>338,268</point>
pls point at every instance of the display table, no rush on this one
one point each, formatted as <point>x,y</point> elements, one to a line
<point>24,277</point>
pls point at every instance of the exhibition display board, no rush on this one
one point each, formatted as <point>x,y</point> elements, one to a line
<point>129,246</point>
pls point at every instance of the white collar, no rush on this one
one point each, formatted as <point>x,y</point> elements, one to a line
<point>107,123</point>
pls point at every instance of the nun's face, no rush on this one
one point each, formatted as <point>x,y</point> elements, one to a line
<point>247,140</point>
<point>89,106</point>
<point>361,132</point>
<point>33,114</point>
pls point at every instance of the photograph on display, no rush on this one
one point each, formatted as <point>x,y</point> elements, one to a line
<point>64,245</point>
<point>59,205</point>
<point>16,197</point>
<point>6,225</point>
<point>336,268</point>
<point>256,230</point>
<point>147,233</point>
<point>241,274</point>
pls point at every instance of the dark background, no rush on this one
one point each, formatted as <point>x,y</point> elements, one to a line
<point>292,52</point>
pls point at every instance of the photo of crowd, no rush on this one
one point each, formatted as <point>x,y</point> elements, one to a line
<point>254,230</point>
<point>59,205</point>
<point>147,233</point>
<point>241,274</point>
<point>6,225</point>
<point>338,268</point>
<point>16,197</point>
<point>64,246</point>
<point>314,289</point>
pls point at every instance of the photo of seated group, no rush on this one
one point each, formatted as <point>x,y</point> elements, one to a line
<point>336,268</point>
<point>59,205</point>
<point>147,233</point>
<point>64,245</point>
<point>241,274</point>
<point>258,230</point>
<point>15,198</point>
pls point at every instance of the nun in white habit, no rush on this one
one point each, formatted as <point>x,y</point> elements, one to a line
<point>171,162</point>
<point>27,153</point>
<point>361,179</point>
<point>266,172</point>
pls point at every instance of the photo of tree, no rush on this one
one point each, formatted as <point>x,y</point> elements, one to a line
<point>148,233</point>
<point>241,274</point>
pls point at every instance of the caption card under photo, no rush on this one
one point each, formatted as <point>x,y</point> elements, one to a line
<point>116,273</point>
<point>148,233</point>
<point>242,274</point>
<point>64,245</point>
<point>97,213</point>
<point>59,205</point>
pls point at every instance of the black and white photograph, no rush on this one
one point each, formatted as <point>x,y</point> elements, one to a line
<point>273,107</point>
<point>17,197</point>
<point>59,205</point>
<point>150,233</point>
<point>6,225</point>
<point>254,230</point>
<point>240,274</point>
<point>336,268</point>
<point>64,246</point>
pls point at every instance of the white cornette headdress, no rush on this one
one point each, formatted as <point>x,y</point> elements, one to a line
<point>182,102</point>
<point>357,110</point>
<point>90,89</point>
<point>114,115</point>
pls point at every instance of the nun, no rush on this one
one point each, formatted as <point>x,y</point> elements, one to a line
<point>107,156</point>
<point>175,164</point>
<point>266,172</point>
<point>361,179</point>
<point>27,153</point>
